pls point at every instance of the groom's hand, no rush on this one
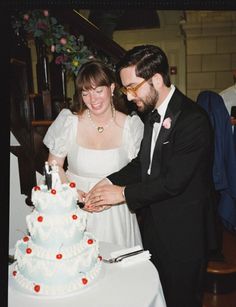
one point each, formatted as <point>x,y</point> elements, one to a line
<point>103,196</point>
<point>102,182</point>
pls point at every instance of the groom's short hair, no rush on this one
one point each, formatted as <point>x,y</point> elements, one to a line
<point>148,60</point>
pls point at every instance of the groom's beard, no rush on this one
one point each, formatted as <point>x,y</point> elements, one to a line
<point>148,103</point>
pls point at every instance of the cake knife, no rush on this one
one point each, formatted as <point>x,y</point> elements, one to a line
<point>123,256</point>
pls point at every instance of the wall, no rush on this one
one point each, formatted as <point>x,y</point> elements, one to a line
<point>169,37</point>
<point>202,44</point>
<point>18,209</point>
<point>211,50</point>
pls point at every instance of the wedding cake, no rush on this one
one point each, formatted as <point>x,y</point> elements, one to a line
<point>58,256</point>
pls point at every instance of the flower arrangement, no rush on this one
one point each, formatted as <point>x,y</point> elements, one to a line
<point>71,52</point>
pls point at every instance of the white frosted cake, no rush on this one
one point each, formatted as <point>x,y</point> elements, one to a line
<point>58,256</point>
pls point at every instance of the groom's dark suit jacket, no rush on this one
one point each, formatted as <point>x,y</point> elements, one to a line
<point>176,195</point>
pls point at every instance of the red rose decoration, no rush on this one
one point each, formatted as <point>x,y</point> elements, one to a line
<point>28,250</point>
<point>53,191</point>
<point>59,256</point>
<point>14,273</point>
<point>84,281</point>
<point>40,218</point>
<point>74,217</point>
<point>90,241</point>
<point>72,184</point>
<point>63,41</point>
<point>25,239</point>
<point>37,288</point>
<point>37,188</point>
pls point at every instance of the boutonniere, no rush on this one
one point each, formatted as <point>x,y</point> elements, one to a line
<point>167,123</point>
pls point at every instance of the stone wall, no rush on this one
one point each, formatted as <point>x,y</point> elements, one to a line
<point>210,49</point>
<point>204,44</point>
<point>169,37</point>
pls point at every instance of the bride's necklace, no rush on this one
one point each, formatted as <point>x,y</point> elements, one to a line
<point>100,129</point>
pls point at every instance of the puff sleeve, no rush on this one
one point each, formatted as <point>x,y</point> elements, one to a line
<point>134,135</point>
<point>61,134</point>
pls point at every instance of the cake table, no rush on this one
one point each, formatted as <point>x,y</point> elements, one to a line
<point>133,285</point>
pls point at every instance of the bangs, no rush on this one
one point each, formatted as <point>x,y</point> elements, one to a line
<point>91,79</point>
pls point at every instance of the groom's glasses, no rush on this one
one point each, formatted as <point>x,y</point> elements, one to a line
<point>132,90</point>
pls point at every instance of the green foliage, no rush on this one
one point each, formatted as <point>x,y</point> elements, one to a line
<point>71,52</point>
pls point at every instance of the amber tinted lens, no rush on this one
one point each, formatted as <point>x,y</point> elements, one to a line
<point>132,90</point>
<point>123,90</point>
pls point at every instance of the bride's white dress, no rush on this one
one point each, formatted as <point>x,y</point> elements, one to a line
<point>87,166</point>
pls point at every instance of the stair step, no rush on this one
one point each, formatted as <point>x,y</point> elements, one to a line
<point>221,272</point>
<point>224,267</point>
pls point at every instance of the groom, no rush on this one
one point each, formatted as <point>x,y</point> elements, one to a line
<point>170,180</point>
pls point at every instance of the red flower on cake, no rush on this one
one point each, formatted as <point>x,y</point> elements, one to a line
<point>84,281</point>
<point>74,217</point>
<point>37,288</point>
<point>14,273</point>
<point>59,256</point>
<point>40,218</point>
<point>90,241</point>
<point>100,257</point>
<point>53,191</point>
<point>37,188</point>
<point>28,250</point>
<point>25,239</point>
<point>72,184</point>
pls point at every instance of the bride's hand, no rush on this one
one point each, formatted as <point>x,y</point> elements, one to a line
<point>81,195</point>
<point>81,198</point>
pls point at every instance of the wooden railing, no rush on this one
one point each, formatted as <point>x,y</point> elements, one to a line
<point>41,123</point>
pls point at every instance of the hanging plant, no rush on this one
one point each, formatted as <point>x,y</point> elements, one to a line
<point>70,50</point>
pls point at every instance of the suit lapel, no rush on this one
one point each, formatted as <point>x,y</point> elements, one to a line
<point>173,111</point>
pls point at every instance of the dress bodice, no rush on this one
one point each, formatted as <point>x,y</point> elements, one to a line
<point>95,163</point>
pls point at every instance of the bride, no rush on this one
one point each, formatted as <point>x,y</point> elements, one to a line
<point>97,138</point>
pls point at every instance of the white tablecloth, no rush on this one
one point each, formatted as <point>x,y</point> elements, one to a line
<point>133,285</point>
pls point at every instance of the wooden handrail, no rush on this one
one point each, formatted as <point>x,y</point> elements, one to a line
<point>221,267</point>
<point>41,123</point>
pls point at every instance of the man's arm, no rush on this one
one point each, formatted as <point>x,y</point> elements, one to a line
<point>129,174</point>
<point>190,150</point>
<point>112,188</point>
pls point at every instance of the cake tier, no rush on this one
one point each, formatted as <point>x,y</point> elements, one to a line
<point>56,230</point>
<point>53,201</point>
<point>48,272</point>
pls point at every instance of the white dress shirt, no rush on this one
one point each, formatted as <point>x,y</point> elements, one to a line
<point>157,126</point>
<point>229,97</point>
